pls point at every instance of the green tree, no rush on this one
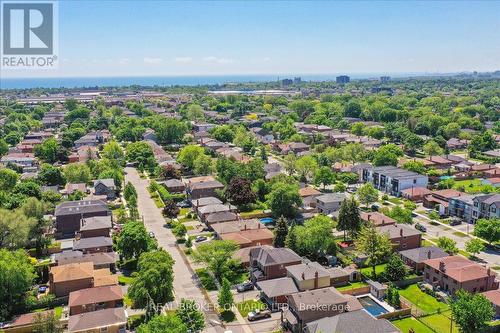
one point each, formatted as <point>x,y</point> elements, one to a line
<point>225,298</point>
<point>77,173</point>
<point>142,153</point>
<point>170,130</point>
<point>190,315</point>
<point>217,255</point>
<point>168,323</point>
<point>488,229</point>
<point>8,179</point>
<point>239,192</point>
<point>415,166</point>
<point>306,166</point>
<point>189,154</point>
<point>284,200</point>
<point>447,244</point>
<point>358,128</point>
<point>291,239</point>
<point>387,155</point>
<point>153,285</point>
<point>51,175</point>
<point>47,323</point>
<point>4,147</point>
<point>471,312</point>
<point>474,246</point>
<point>114,153</point>
<point>195,112</point>
<point>16,278</point>
<point>402,215</point>
<point>223,133</point>
<point>324,176</point>
<point>134,240</point>
<point>395,270</point>
<point>431,148</point>
<point>280,232</point>
<point>367,194</point>
<point>203,165</point>
<point>315,237</point>
<point>50,151</point>
<point>349,220</point>
<point>15,228</point>
<point>376,246</point>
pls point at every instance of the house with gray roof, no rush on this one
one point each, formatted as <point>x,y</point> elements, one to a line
<point>93,244</point>
<point>415,258</point>
<point>105,187</point>
<point>393,180</point>
<point>70,213</point>
<point>270,263</point>
<point>329,203</point>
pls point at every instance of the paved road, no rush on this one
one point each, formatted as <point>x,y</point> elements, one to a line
<point>185,283</point>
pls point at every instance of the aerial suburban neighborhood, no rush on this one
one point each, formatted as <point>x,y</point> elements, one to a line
<point>147,186</point>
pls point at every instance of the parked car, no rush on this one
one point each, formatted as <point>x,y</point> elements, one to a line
<point>351,189</point>
<point>151,234</point>
<point>259,314</point>
<point>420,227</point>
<point>184,204</point>
<point>245,286</point>
<point>375,207</point>
<point>200,239</point>
<point>42,289</point>
<point>455,222</point>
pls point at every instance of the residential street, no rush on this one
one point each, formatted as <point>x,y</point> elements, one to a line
<point>185,283</point>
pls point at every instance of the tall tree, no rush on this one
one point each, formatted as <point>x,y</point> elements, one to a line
<point>367,194</point>
<point>217,255</point>
<point>488,229</point>
<point>376,246</point>
<point>47,323</point>
<point>324,176</point>
<point>291,239</point>
<point>163,324</point>
<point>239,192</point>
<point>471,312</point>
<point>474,246</point>
<point>134,240</point>
<point>284,200</point>
<point>280,232</point>
<point>225,298</point>
<point>190,315</point>
<point>447,244</point>
<point>395,270</point>
<point>315,237</point>
<point>349,220</point>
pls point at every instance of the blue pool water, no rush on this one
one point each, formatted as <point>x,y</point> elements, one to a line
<point>371,306</point>
<point>266,220</point>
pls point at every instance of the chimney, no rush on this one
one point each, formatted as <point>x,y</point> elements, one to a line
<point>369,216</point>
<point>488,271</point>
<point>316,280</point>
<point>442,266</point>
<point>303,276</point>
<point>429,254</point>
<point>258,225</point>
<point>401,232</point>
<point>245,226</point>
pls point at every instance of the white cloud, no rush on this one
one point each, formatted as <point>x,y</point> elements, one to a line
<point>266,59</point>
<point>219,60</point>
<point>183,60</point>
<point>153,61</point>
<point>124,61</point>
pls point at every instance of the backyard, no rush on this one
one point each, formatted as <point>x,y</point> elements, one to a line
<point>424,302</point>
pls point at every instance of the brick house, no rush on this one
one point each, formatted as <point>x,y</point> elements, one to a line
<point>93,244</point>
<point>376,218</point>
<point>70,213</point>
<point>105,187</point>
<point>204,189</point>
<point>95,226</point>
<point>270,263</point>
<point>456,272</point>
<point>112,320</point>
<point>67,278</point>
<point>415,258</point>
<point>402,236</point>
<point>93,299</point>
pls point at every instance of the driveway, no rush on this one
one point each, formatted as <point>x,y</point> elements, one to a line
<point>185,282</point>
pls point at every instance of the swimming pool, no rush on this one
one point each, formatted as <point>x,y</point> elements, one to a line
<point>266,220</point>
<point>371,306</point>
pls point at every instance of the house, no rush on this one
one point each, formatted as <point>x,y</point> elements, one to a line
<point>24,323</point>
<point>402,236</point>
<point>67,278</point>
<point>205,201</point>
<point>204,211</point>
<point>440,199</point>
<point>243,254</point>
<point>491,181</point>
<point>376,218</point>
<point>462,207</point>
<point>486,206</point>
<point>274,292</point>
<point>236,226</point>
<point>494,297</point>
<point>220,217</point>
<point>393,180</point>
<point>95,226</point>
<point>415,194</point>
<point>70,213</point>
<point>415,258</point>
<point>174,185</point>
<point>204,189</point>
<point>308,306</point>
<point>270,263</point>
<point>329,203</point>
<point>149,134</point>
<point>309,275</point>
<point>98,259</point>
<point>309,195</point>
<point>94,299</point>
<point>456,272</point>
<point>351,322</point>
<point>250,237</point>
<point>93,244</point>
<point>72,187</point>
<point>341,276</point>
<point>112,320</point>
<point>492,153</point>
<point>105,187</point>
<point>454,144</point>
<point>439,162</point>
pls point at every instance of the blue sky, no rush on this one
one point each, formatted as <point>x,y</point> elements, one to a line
<point>140,38</point>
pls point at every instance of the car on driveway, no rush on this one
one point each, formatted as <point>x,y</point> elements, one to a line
<point>455,222</point>
<point>199,239</point>
<point>184,204</point>
<point>245,286</point>
<point>420,227</point>
<point>259,314</point>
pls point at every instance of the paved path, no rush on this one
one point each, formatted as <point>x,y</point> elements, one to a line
<point>185,282</point>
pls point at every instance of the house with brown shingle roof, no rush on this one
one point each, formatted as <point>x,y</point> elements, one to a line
<point>456,272</point>
<point>441,199</point>
<point>270,263</point>
<point>112,320</point>
<point>376,218</point>
<point>494,297</point>
<point>67,278</point>
<point>93,299</point>
<point>402,236</point>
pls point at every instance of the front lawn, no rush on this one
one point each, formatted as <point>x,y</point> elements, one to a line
<point>122,279</point>
<point>460,234</point>
<point>440,323</point>
<point>206,279</point>
<point>423,301</point>
<point>352,285</point>
<point>245,307</point>
<point>411,323</point>
<point>58,312</point>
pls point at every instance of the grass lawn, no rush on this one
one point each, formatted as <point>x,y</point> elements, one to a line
<point>189,227</point>
<point>460,234</point>
<point>245,307</point>
<point>251,213</point>
<point>396,201</point>
<point>58,312</point>
<point>127,301</point>
<point>425,302</point>
<point>440,323</point>
<point>353,285</point>
<point>206,279</point>
<point>411,323</point>
<point>185,219</point>
<point>425,242</point>
<point>471,186</point>
<point>184,211</point>
<point>125,279</point>
<point>207,234</point>
<point>158,202</point>
<point>367,271</point>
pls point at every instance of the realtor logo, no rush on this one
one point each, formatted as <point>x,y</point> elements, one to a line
<point>29,34</point>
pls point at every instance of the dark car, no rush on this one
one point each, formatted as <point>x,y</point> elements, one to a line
<point>245,286</point>
<point>420,227</point>
<point>184,204</point>
<point>200,239</point>
<point>375,208</point>
<point>259,314</point>
<point>455,222</point>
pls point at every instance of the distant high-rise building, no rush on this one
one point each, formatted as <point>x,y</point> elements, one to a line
<point>342,79</point>
<point>297,80</point>
<point>385,79</point>
<point>286,82</point>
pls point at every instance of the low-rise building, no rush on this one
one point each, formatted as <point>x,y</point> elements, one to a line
<point>393,180</point>
<point>415,258</point>
<point>402,236</point>
<point>72,277</point>
<point>93,244</point>
<point>70,213</point>
<point>112,320</point>
<point>204,189</point>
<point>94,299</point>
<point>440,200</point>
<point>376,219</point>
<point>329,203</point>
<point>105,187</point>
<point>96,226</point>
<point>270,263</point>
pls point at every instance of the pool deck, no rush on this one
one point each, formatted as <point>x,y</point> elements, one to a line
<point>383,304</point>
